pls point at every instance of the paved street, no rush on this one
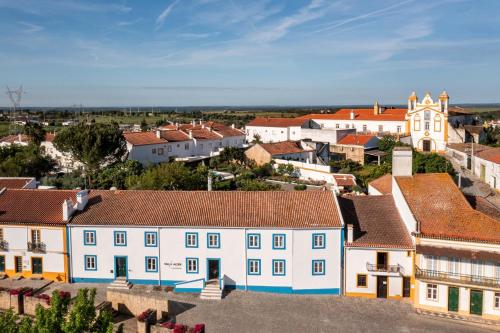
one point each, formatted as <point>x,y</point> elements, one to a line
<point>262,312</point>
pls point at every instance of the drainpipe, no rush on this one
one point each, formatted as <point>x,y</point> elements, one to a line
<point>246,260</point>
<point>159,254</point>
<point>68,249</point>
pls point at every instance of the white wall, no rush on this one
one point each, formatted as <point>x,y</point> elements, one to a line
<point>232,253</point>
<point>371,125</point>
<point>273,134</point>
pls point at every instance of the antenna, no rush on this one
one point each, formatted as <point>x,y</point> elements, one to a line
<point>15,97</point>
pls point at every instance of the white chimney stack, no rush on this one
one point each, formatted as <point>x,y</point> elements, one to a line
<point>190,134</point>
<point>82,199</point>
<point>402,161</point>
<point>158,134</point>
<point>232,126</point>
<point>350,233</point>
<point>67,209</point>
<point>352,114</point>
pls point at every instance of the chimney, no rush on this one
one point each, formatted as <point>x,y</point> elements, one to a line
<point>158,134</point>
<point>209,185</point>
<point>20,137</point>
<point>67,209</point>
<point>177,126</point>
<point>402,161</point>
<point>352,114</point>
<point>193,122</point>
<point>201,122</point>
<point>203,126</point>
<point>376,108</point>
<point>190,134</point>
<point>232,126</point>
<point>350,233</point>
<point>82,198</point>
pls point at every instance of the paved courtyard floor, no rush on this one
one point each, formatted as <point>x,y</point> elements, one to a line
<point>262,312</point>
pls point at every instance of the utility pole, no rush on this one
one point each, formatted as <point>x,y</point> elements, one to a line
<point>15,98</point>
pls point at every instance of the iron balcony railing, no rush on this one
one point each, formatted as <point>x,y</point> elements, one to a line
<point>383,268</point>
<point>4,245</point>
<point>477,280</point>
<point>38,247</point>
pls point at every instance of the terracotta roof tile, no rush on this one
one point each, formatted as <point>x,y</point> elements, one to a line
<point>361,114</point>
<point>143,138</point>
<point>376,222</point>
<point>174,135</point>
<point>14,182</point>
<point>345,180</point>
<point>383,184</point>
<point>356,139</point>
<point>308,209</point>
<point>284,147</point>
<point>443,212</point>
<point>492,155</point>
<point>277,122</point>
<point>204,134</point>
<point>15,138</point>
<point>33,206</point>
<point>467,147</point>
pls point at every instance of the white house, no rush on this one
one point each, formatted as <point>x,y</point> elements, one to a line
<point>269,130</point>
<point>19,139</point>
<point>378,250</point>
<point>283,242</point>
<point>64,160</point>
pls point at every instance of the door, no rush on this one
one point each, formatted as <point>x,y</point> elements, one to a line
<point>2,263</point>
<point>453,299</point>
<point>382,286</point>
<point>382,261</point>
<point>426,145</point>
<point>36,265</point>
<point>213,269</point>
<point>18,264</point>
<point>121,267</point>
<point>476,302</point>
<point>469,163</point>
<point>482,174</point>
<point>406,286</point>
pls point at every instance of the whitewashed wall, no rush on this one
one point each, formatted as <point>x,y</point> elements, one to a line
<point>273,134</point>
<point>371,125</point>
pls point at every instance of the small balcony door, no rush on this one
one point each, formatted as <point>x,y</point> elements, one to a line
<point>382,261</point>
<point>35,236</point>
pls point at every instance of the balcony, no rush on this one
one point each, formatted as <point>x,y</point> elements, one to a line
<point>4,245</point>
<point>38,247</point>
<point>392,269</point>
<point>457,278</point>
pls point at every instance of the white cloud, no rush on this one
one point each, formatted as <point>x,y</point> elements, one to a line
<point>163,16</point>
<point>30,27</point>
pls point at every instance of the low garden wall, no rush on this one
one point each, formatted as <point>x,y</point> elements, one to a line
<point>130,303</point>
<point>13,299</point>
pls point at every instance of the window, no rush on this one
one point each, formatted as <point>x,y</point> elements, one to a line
<point>337,125</point>
<point>153,151</point>
<point>1,234</point>
<point>380,128</point>
<point>432,263</point>
<point>416,123</point>
<point>160,151</point>
<point>432,292</point>
<point>318,267</point>
<point>191,239</point>
<point>169,148</point>
<point>90,263</point>
<point>427,115</point>
<point>346,125</point>
<point>213,240</point>
<point>454,266</point>
<point>253,266</point>
<point>361,280</point>
<point>253,241</point>
<point>191,265</point>
<point>497,270</point>
<point>279,241</point>
<point>120,238</point>
<point>318,241</point>
<point>35,236</point>
<point>151,264</point>
<point>365,128</point>
<point>427,125</point>
<point>477,267</point>
<point>89,237</point>
<point>186,146</point>
<point>278,267</point>
<point>150,239</point>
<point>497,301</point>
<point>398,129</point>
<point>2,263</point>
<point>437,124</point>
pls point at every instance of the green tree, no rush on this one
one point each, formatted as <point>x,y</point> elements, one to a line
<point>430,163</point>
<point>35,132</point>
<point>8,321</point>
<point>24,161</point>
<point>170,176</point>
<point>144,125</point>
<point>256,185</point>
<point>93,145</point>
<point>257,139</point>
<point>116,175</point>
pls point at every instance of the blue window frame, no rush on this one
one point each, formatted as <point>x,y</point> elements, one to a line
<point>279,267</point>
<point>318,241</point>
<point>254,267</point>
<point>120,238</point>
<point>191,239</point>
<point>90,262</point>
<point>192,266</point>
<point>253,241</point>
<point>279,241</point>
<point>213,240</point>
<point>151,239</point>
<point>89,237</point>
<point>318,267</point>
<point>151,264</point>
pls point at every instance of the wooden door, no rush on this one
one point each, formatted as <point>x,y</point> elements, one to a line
<point>121,266</point>
<point>382,286</point>
<point>18,264</point>
<point>453,299</point>
<point>36,266</point>
<point>476,302</point>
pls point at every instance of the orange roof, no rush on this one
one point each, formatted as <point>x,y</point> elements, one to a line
<point>15,138</point>
<point>277,122</point>
<point>174,135</point>
<point>50,137</point>
<point>232,209</point>
<point>143,138</point>
<point>204,134</point>
<point>361,114</point>
<point>33,206</point>
<point>443,212</point>
<point>345,180</point>
<point>492,155</point>
<point>383,184</point>
<point>356,139</point>
<point>284,147</point>
<point>14,182</point>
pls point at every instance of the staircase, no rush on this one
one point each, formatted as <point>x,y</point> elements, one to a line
<point>120,284</point>
<point>211,291</point>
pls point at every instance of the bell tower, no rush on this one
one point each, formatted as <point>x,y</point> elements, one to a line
<point>412,101</point>
<point>444,101</point>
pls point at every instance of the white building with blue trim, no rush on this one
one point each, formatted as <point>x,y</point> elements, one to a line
<point>284,242</point>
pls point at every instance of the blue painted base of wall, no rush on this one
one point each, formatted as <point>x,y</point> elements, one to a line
<point>133,281</point>
<point>188,290</point>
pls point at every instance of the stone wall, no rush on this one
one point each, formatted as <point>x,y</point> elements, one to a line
<point>131,303</point>
<point>31,303</point>
<point>8,301</point>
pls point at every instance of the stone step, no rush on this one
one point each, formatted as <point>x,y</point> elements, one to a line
<point>120,284</point>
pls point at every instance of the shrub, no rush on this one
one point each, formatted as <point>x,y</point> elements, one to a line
<point>300,187</point>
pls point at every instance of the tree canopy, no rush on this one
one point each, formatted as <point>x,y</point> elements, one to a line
<point>93,145</point>
<point>24,161</point>
<point>35,132</point>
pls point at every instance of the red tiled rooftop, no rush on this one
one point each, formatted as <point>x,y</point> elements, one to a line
<point>15,138</point>
<point>232,209</point>
<point>383,184</point>
<point>360,114</point>
<point>14,182</point>
<point>345,180</point>
<point>356,139</point>
<point>376,222</point>
<point>277,122</point>
<point>33,206</point>
<point>492,155</point>
<point>174,136</point>
<point>443,212</point>
<point>143,138</point>
<point>285,147</point>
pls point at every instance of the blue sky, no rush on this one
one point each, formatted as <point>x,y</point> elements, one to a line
<point>231,52</point>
